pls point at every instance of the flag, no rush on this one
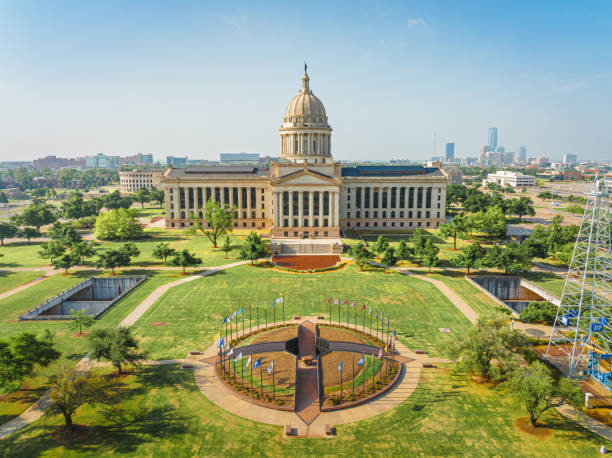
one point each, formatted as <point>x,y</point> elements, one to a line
<point>352,304</point>
<point>370,311</point>
<point>248,361</point>
<point>224,319</point>
<point>328,300</point>
<point>270,367</point>
<point>394,334</point>
<point>257,363</point>
<point>231,352</point>
<point>376,315</point>
<point>220,344</point>
<point>280,300</point>
<point>360,362</point>
<point>217,338</point>
<point>240,311</point>
<point>362,307</point>
<point>239,357</point>
<point>346,302</point>
<point>234,314</point>
<point>337,301</point>
<point>273,301</point>
<point>340,366</point>
<point>380,353</point>
<point>382,315</point>
<point>229,319</point>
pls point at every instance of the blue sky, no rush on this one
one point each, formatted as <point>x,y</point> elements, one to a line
<point>201,78</point>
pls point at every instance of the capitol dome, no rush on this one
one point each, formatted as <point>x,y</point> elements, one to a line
<point>305,106</point>
<point>305,133</point>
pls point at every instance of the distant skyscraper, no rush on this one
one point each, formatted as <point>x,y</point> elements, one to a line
<point>493,138</point>
<point>569,159</point>
<point>450,152</point>
<point>522,155</point>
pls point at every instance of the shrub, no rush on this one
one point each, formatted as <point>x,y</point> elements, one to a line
<point>539,311</point>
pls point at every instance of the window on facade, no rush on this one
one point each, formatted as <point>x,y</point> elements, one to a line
<point>376,204</point>
<point>411,197</point>
<point>427,214</point>
<point>438,215</point>
<point>419,214</point>
<point>385,197</point>
<point>244,215</point>
<point>348,215</point>
<point>393,197</point>
<point>367,198</point>
<point>316,222</point>
<point>226,196</point>
<point>375,214</point>
<point>286,234</point>
<point>367,214</point>
<point>295,234</point>
<point>384,214</point>
<point>296,202</point>
<point>245,195</point>
<point>183,215</point>
<point>357,197</point>
<point>420,198</point>
<point>325,223</point>
<point>428,198</point>
<point>208,194</point>
<point>306,207</point>
<point>392,214</point>
<point>200,215</point>
<point>315,207</point>
<point>200,198</point>
<point>171,215</point>
<point>253,215</point>
<point>191,203</point>
<point>181,198</point>
<point>253,197</point>
<point>218,195</point>
<point>172,224</point>
<point>357,214</point>
<point>285,203</point>
<point>402,199</point>
<point>326,203</point>
<point>367,224</point>
<point>235,196</point>
<point>305,222</point>
<point>295,223</point>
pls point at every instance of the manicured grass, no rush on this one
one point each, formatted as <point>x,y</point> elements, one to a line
<point>550,282</point>
<point>193,312</point>
<point>10,280</point>
<point>479,301</point>
<point>72,348</point>
<point>446,416</point>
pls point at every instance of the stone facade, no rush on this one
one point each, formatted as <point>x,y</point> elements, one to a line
<point>305,194</point>
<point>135,179</point>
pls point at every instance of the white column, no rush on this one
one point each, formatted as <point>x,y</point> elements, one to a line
<point>310,208</point>
<point>321,215</point>
<point>337,207</point>
<point>281,206</point>
<point>290,208</point>
<point>301,208</point>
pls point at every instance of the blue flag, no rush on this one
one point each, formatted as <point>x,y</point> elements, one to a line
<point>220,344</point>
<point>240,311</point>
<point>224,319</point>
<point>340,366</point>
<point>394,333</point>
<point>257,363</point>
<point>361,361</point>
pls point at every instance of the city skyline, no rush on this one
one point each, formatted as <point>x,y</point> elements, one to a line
<point>200,79</point>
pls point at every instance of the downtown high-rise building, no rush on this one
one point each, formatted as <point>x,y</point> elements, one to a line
<point>449,154</point>
<point>493,138</point>
<point>522,154</point>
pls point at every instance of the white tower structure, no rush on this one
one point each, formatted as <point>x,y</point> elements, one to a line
<point>583,325</point>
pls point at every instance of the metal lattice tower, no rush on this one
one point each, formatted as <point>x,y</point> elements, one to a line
<point>584,318</point>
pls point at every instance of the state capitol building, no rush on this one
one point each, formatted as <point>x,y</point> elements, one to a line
<point>305,199</point>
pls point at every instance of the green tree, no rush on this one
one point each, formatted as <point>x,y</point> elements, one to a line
<point>20,355</point>
<point>457,227</point>
<point>470,257</point>
<point>73,389</point>
<point>539,311</point>
<point>539,390</point>
<point>79,320</point>
<point>253,248</point>
<point>418,243</point>
<point>83,249</point>
<point>488,349</point>
<point>114,201</point>
<point>116,345</point>
<point>227,246</point>
<point>512,259</point>
<point>7,231</point>
<point>36,214</point>
<point>119,224</point>
<point>157,195</point>
<point>3,198</point>
<point>111,259</point>
<point>184,258</point>
<point>52,250</point>
<point>388,259</point>
<point>403,251</point>
<point>76,207</point>
<point>522,206</point>
<point>220,220</point>
<point>64,233</point>
<point>491,222</point>
<point>360,254</point>
<point>381,245</point>
<point>28,233</point>
<point>163,251</point>
<point>66,261</point>
<point>430,254</point>
<point>142,196</point>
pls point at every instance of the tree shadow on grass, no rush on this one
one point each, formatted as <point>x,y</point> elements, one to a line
<point>167,376</point>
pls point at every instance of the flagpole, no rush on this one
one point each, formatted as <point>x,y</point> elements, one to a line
<point>376,324</point>
<point>241,374</point>
<point>273,388</point>
<point>266,314</point>
<point>234,371</point>
<point>363,319</point>
<point>261,379</point>
<point>242,324</point>
<point>355,318</point>
<point>251,367</point>
<point>283,311</point>
<point>388,330</point>
<point>250,319</point>
<point>257,313</point>
<point>353,357</point>
<point>330,311</point>
<point>274,312</point>
<point>364,373</point>
<point>341,380</point>
<point>348,319</point>
<point>373,372</point>
<point>338,312</point>
<point>226,330</point>
<point>371,325</point>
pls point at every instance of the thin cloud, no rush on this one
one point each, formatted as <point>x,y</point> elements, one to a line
<point>236,21</point>
<point>416,23</point>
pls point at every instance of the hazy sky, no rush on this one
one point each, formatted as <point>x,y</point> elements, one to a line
<point>201,78</point>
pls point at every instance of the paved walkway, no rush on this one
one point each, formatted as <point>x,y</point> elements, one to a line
<point>36,410</point>
<point>222,396</point>
<point>10,292</point>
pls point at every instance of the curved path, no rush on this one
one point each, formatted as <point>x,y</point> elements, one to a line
<point>222,396</point>
<point>36,410</point>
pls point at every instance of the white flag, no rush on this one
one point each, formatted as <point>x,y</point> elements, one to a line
<point>239,357</point>
<point>270,367</point>
<point>279,300</point>
<point>231,352</point>
<point>248,361</point>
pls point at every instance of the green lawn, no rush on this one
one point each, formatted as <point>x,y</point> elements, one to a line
<point>72,348</point>
<point>550,282</point>
<point>10,280</point>
<point>193,312</point>
<point>168,416</point>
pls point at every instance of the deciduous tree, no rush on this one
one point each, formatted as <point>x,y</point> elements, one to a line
<point>79,320</point>
<point>381,245</point>
<point>184,258</point>
<point>220,220</point>
<point>7,231</point>
<point>470,257</point>
<point>253,248</point>
<point>163,251</point>
<point>116,345</point>
<point>360,254</point>
<point>28,233</point>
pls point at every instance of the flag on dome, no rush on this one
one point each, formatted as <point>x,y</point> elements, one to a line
<point>270,367</point>
<point>257,363</point>
<point>248,361</point>
<point>361,361</point>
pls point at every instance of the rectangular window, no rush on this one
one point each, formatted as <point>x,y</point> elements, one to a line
<point>375,204</point>
<point>385,197</point>
<point>191,203</point>
<point>316,208</point>
<point>306,207</point>
<point>226,196</point>
<point>181,198</point>
<point>357,197</point>
<point>285,203</point>
<point>326,203</point>
<point>253,197</point>
<point>200,198</point>
<point>208,194</point>
<point>428,198</point>
<point>411,198</point>
<point>296,203</point>
<point>393,197</point>
<point>367,198</point>
<point>244,198</point>
<point>235,196</point>
<point>218,195</point>
<point>420,197</point>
